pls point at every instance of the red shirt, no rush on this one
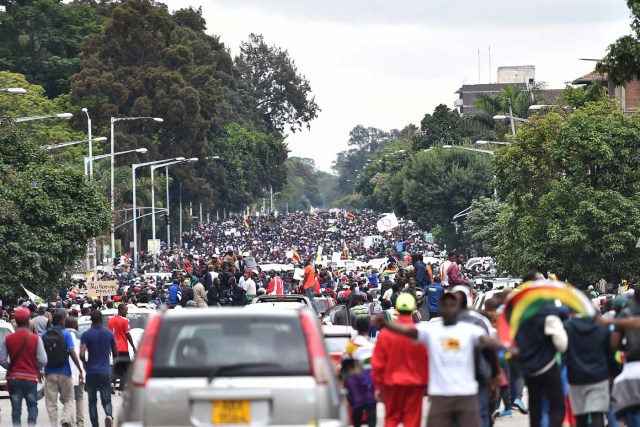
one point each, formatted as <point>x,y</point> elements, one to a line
<point>311,279</point>
<point>398,360</point>
<point>24,367</point>
<point>120,326</point>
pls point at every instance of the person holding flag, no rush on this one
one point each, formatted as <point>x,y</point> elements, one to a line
<point>295,257</point>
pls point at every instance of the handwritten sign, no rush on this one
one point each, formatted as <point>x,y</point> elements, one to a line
<point>102,288</point>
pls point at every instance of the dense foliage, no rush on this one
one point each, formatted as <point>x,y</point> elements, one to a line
<point>571,187</point>
<point>47,214</point>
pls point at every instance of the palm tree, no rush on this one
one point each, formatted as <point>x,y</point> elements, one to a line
<point>489,106</point>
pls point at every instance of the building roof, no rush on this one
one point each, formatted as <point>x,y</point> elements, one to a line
<point>590,78</point>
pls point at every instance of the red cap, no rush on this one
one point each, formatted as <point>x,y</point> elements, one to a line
<point>116,299</point>
<point>22,315</point>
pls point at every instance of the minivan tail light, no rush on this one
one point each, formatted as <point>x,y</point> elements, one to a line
<point>318,361</point>
<point>143,362</point>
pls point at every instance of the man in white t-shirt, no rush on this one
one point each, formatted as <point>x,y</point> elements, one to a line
<point>249,286</point>
<point>452,384</point>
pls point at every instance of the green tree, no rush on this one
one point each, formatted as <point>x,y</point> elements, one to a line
<point>435,185</point>
<point>622,61</point>
<point>41,39</point>
<point>252,163</point>
<point>281,95</point>
<point>481,226</point>
<point>35,103</point>
<point>301,189</point>
<point>572,191</point>
<point>47,214</point>
<point>364,143</point>
<point>440,128</point>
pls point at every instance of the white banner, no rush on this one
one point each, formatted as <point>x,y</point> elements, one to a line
<point>387,222</point>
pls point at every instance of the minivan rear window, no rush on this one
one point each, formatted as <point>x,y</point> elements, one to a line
<point>230,346</point>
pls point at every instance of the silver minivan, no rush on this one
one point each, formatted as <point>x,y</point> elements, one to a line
<point>212,367</point>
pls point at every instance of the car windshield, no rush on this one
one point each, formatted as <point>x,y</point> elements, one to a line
<point>196,347</point>
<point>336,344</point>
<point>136,321</point>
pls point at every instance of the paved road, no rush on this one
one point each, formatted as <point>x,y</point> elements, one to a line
<point>517,420</point>
<point>43,418</point>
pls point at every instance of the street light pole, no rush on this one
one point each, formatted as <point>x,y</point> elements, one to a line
<point>113,202</point>
<point>135,213</point>
<point>48,116</point>
<point>513,126</point>
<point>153,201</point>
<point>85,111</point>
<point>166,179</point>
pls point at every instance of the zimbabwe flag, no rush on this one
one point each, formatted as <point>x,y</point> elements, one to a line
<point>349,215</point>
<point>295,257</point>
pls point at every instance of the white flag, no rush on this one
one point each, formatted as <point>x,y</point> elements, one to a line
<point>387,222</point>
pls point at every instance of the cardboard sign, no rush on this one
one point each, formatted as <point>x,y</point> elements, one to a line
<point>102,288</point>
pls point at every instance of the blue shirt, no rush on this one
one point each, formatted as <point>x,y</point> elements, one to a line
<point>66,368</point>
<point>99,341</point>
<point>373,279</point>
<point>433,297</point>
<point>173,294</point>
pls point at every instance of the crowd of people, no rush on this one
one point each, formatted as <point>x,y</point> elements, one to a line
<point>577,372</point>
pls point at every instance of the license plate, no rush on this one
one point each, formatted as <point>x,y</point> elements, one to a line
<point>230,412</point>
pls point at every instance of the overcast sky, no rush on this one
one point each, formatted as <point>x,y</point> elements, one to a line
<point>386,63</point>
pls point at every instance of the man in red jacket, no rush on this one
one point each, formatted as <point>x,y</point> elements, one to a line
<point>400,371</point>
<point>28,357</point>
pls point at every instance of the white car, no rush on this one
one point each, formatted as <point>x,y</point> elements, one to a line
<point>138,319</point>
<point>6,328</point>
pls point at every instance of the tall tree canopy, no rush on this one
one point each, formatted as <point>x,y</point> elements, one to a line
<point>571,187</point>
<point>47,213</point>
<point>622,61</point>
<point>280,94</point>
<point>41,39</point>
<point>435,185</point>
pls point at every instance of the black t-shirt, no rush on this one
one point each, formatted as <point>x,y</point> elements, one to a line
<point>632,345</point>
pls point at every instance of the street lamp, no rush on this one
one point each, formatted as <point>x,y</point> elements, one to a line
<point>492,142</point>
<point>476,150</point>
<point>153,199</point>
<point>88,160</point>
<point>166,176</point>
<point>113,201</point>
<point>48,116</point>
<point>135,213</point>
<point>14,90</point>
<point>68,144</point>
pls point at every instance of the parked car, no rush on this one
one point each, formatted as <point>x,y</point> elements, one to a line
<point>337,315</point>
<point>6,328</point>
<point>336,338</point>
<point>323,304</point>
<point>233,366</point>
<point>302,299</point>
<point>138,319</point>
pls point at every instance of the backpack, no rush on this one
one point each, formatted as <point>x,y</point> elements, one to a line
<point>56,348</point>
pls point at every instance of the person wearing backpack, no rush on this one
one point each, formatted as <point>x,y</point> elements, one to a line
<point>28,357</point>
<point>58,344</point>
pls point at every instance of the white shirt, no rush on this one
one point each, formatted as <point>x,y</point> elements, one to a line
<point>444,278</point>
<point>249,286</point>
<point>451,357</point>
<point>75,374</point>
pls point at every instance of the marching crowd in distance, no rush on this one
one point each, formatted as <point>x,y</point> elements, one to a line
<point>576,371</point>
